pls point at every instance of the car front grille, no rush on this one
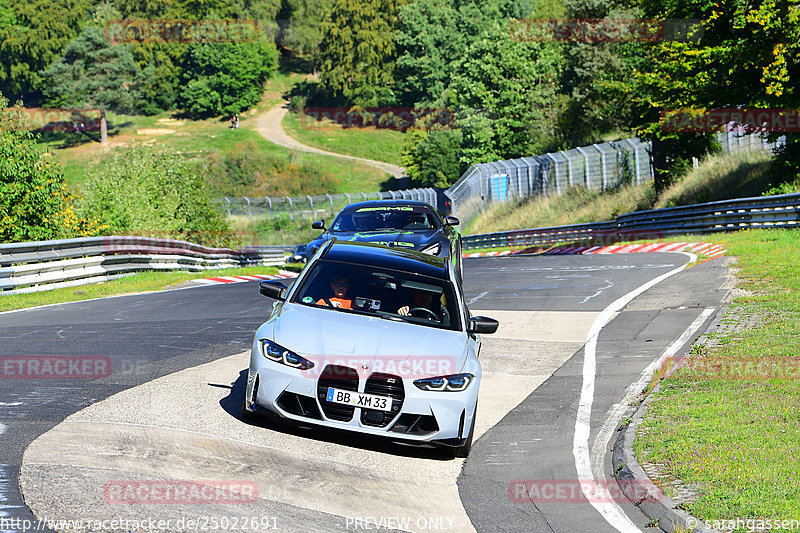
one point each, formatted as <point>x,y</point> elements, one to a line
<point>338,377</point>
<point>383,385</point>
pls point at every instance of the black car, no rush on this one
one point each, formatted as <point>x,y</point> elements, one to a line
<point>403,224</point>
<point>298,255</point>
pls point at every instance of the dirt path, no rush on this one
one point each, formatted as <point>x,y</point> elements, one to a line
<point>269,126</point>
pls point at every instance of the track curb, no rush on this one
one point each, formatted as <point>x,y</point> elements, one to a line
<point>630,474</point>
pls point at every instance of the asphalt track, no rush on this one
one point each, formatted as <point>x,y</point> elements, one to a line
<point>177,359</point>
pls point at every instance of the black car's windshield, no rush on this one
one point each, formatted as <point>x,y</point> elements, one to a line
<point>386,218</point>
<point>380,292</point>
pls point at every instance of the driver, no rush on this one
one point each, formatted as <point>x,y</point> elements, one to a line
<point>340,284</point>
<point>423,300</point>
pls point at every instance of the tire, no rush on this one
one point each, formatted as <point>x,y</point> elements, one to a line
<point>462,451</point>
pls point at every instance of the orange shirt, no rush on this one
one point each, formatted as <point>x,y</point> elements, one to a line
<point>342,303</point>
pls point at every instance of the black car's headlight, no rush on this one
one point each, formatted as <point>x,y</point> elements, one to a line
<point>433,249</point>
<point>454,383</point>
<point>279,354</point>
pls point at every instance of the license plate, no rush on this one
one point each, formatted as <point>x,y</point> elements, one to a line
<point>356,399</point>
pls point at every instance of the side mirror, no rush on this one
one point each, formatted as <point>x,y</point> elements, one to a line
<point>318,224</point>
<point>450,220</point>
<point>482,325</point>
<point>272,289</point>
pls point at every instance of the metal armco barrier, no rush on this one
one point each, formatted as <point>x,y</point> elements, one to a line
<point>781,211</point>
<point>46,265</point>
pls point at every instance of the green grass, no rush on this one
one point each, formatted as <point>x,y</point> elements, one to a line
<point>734,434</point>
<point>81,153</point>
<point>719,177</point>
<point>140,282</point>
<point>199,139</point>
<point>379,144</point>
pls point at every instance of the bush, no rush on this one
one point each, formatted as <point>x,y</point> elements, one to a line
<point>248,171</point>
<point>149,191</point>
<point>34,203</point>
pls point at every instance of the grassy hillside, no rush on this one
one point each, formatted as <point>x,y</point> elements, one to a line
<point>720,177</point>
<point>379,144</point>
<point>202,139</point>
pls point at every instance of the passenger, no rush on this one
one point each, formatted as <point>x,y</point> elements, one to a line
<point>340,284</point>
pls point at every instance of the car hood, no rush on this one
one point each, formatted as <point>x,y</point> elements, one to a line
<point>326,336</point>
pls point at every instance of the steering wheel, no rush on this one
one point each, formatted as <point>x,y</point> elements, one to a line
<point>430,314</point>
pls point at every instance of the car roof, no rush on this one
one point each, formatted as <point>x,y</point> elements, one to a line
<point>378,255</point>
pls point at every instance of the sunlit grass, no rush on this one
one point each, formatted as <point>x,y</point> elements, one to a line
<point>379,144</point>
<point>733,435</point>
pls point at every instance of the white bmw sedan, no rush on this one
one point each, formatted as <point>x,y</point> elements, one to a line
<point>372,340</point>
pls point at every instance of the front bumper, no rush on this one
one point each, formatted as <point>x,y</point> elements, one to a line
<point>441,418</point>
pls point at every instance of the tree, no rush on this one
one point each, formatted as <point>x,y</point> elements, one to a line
<point>95,74</point>
<point>515,85</point>
<point>227,78</point>
<point>744,55</point>
<point>428,42</point>
<point>32,35</point>
<point>595,78</point>
<point>34,203</point>
<point>303,34</point>
<point>432,158</point>
<point>357,52</point>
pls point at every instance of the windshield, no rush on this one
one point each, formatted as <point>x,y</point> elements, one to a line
<point>386,218</point>
<point>381,292</point>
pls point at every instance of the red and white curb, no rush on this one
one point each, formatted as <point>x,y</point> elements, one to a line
<point>708,249</point>
<point>222,280</point>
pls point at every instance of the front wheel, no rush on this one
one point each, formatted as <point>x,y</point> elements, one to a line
<point>463,450</point>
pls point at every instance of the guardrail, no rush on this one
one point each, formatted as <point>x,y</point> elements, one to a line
<point>712,217</point>
<point>46,265</point>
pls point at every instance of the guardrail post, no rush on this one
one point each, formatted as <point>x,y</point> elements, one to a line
<point>364,195</point>
<point>555,173</point>
<point>229,206</point>
<point>586,168</point>
<point>249,211</point>
<point>569,170</point>
<point>349,200</point>
<point>603,165</point>
<point>330,199</point>
<point>269,201</point>
<point>311,201</point>
<point>291,208</point>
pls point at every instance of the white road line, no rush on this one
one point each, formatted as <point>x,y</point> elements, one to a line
<point>611,512</point>
<point>476,298</point>
<point>2,428</point>
<point>616,412</point>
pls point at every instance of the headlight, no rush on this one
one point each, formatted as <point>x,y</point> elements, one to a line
<point>454,383</point>
<point>279,354</point>
<point>433,249</point>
